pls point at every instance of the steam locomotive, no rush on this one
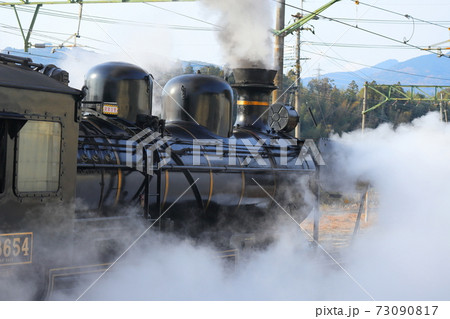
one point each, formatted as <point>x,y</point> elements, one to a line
<point>84,172</point>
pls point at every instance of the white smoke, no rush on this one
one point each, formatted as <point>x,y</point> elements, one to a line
<point>171,269</point>
<point>245,35</point>
<point>403,257</point>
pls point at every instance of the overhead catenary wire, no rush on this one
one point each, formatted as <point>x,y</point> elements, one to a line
<point>400,14</point>
<point>112,21</point>
<point>337,20</point>
<point>44,37</point>
<point>73,16</point>
<point>108,20</point>
<point>380,68</point>
<point>182,14</point>
<point>334,61</point>
<point>42,33</point>
<point>298,76</point>
<point>375,67</point>
<point>349,27</point>
<point>356,45</point>
<point>402,43</point>
<point>386,21</point>
<point>363,76</point>
<point>97,19</point>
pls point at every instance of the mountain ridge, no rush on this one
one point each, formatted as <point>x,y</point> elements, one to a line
<point>422,70</point>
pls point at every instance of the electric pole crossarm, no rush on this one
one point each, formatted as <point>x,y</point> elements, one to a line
<point>298,24</point>
<point>39,4</point>
<point>20,24</point>
<point>386,98</point>
<point>26,39</point>
<point>18,3</point>
<point>410,95</point>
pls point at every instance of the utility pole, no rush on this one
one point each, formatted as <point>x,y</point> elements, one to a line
<point>363,121</point>
<point>298,71</point>
<point>279,50</point>
<point>281,32</point>
<point>318,72</point>
<point>363,124</point>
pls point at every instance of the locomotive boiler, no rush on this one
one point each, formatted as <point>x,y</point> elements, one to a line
<point>151,162</point>
<point>94,167</point>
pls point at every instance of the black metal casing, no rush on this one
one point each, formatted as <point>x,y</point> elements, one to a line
<point>253,86</point>
<point>127,85</point>
<point>201,99</point>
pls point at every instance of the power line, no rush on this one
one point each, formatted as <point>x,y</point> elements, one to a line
<point>375,67</point>
<point>358,45</point>
<point>379,68</point>
<point>333,59</point>
<point>181,14</point>
<point>386,21</point>
<point>368,31</point>
<point>400,14</point>
<point>99,19</point>
<point>364,77</point>
<point>45,33</point>
<point>44,37</point>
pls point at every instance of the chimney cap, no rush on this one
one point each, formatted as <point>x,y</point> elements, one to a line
<point>254,76</point>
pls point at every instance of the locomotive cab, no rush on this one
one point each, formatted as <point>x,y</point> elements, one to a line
<point>38,134</point>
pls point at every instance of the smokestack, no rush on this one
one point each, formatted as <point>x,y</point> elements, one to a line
<point>253,86</point>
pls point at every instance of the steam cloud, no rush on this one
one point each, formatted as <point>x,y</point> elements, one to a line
<point>245,35</point>
<point>404,257</point>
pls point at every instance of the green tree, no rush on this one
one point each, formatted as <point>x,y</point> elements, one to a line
<point>211,70</point>
<point>188,69</point>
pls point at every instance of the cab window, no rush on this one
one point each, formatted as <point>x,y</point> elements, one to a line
<point>38,157</point>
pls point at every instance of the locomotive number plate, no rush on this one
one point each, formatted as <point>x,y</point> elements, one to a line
<point>16,248</point>
<point>110,109</point>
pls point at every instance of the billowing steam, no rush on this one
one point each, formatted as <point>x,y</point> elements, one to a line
<point>245,35</point>
<point>404,257</point>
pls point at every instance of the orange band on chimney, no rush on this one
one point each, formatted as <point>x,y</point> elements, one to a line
<point>252,103</point>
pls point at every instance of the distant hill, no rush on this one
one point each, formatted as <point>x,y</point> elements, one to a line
<point>423,70</point>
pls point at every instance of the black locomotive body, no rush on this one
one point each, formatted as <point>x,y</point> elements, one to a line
<point>84,172</point>
<point>38,132</point>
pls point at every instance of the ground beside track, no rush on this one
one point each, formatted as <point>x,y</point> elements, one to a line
<point>338,218</point>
